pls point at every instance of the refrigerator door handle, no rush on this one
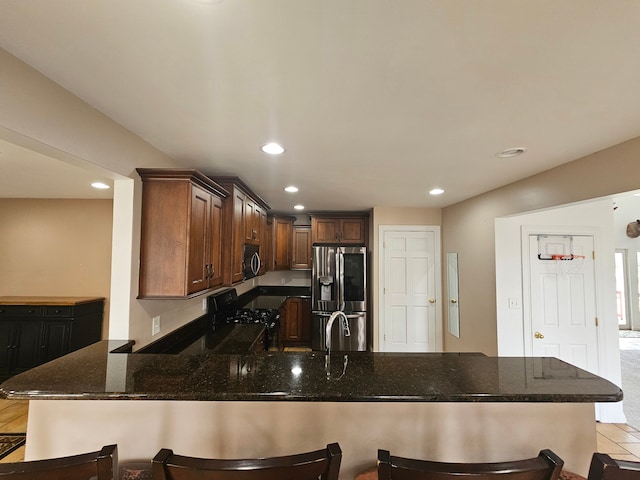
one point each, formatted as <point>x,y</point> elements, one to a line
<point>340,277</point>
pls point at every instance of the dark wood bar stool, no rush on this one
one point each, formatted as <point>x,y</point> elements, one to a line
<point>100,465</point>
<point>603,467</point>
<point>320,464</point>
<point>546,466</point>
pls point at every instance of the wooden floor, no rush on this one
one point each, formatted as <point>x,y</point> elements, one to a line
<point>618,440</point>
<point>13,419</point>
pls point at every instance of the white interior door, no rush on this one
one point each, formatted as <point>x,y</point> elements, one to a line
<point>563,299</point>
<point>409,317</point>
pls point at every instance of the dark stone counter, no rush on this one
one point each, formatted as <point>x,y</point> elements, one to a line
<point>95,373</point>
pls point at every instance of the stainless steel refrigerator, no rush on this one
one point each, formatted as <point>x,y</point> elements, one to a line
<point>339,282</point>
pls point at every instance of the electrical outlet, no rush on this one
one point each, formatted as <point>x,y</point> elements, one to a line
<point>514,303</point>
<point>155,325</point>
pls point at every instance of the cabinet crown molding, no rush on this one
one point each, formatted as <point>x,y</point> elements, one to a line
<point>182,174</point>
<point>237,181</point>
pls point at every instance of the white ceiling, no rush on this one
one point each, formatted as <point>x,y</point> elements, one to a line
<point>376,101</point>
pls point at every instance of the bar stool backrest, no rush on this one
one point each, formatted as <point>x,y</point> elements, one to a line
<point>99,465</point>
<point>546,466</point>
<point>320,464</point>
<point>603,467</point>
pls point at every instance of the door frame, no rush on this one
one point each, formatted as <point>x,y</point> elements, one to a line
<point>527,303</point>
<point>435,229</point>
<point>527,231</point>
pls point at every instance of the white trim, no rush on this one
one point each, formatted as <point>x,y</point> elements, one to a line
<point>382,230</point>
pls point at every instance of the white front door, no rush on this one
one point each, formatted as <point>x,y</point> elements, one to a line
<point>563,299</point>
<point>409,320</point>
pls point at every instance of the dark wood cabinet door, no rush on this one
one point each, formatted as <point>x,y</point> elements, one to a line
<point>238,236</point>
<point>325,230</point>
<point>292,327</point>
<point>297,329</point>
<point>55,339</point>
<point>28,345</point>
<point>301,249</point>
<point>282,243</point>
<point>353,230</point>
<point>215,246</point>
<point>249,221</point>
<point>198,253</point>
<point>7,336</point>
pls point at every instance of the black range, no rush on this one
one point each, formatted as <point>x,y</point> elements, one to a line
<point>227,308</point>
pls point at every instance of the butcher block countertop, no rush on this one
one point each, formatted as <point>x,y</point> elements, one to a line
<point>33,300</point>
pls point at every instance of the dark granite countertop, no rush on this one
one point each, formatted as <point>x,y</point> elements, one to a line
<point>228,339</point>
<point>354,377</point>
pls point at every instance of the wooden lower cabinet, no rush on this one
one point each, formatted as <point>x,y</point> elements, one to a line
<point>295,322</point>
<point>31,335</point>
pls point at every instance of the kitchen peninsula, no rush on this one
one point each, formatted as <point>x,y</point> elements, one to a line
<point>446,406</point>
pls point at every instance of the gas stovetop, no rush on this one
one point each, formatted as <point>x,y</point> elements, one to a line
<point>266,316</point>
<point>224,309</point>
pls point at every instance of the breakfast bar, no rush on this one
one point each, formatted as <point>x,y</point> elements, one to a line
<point>444,406</point>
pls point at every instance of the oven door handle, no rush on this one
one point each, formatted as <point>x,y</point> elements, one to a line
<point>255,263</point>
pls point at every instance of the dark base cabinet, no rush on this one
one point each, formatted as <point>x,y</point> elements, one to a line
<point>295,322</point>
<point>34,330</point>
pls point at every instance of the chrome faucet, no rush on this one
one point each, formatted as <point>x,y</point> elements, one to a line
<point>345,323</point>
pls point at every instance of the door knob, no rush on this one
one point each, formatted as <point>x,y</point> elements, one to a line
<point>538,335</point>
<point>453,300</point>
<point>432,300</point>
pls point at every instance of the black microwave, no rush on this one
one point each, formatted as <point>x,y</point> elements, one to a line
<point>251,262</point>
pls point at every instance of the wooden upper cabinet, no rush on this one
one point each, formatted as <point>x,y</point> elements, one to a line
<point>247,214</point>
<point>282,228</point>
<point>180,245</point>
<point>216,278</point>
<point>343,230</point>
<point>266,246</point>
<point>301,248</point>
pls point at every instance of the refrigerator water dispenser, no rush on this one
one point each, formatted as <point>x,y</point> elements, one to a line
<point>326,286</point>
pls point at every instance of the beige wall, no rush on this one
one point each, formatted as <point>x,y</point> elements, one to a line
<point>468,229</point>
<point>390,216</point>
<point>56,248</point>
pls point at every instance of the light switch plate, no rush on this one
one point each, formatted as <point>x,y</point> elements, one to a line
<point>155,325</point>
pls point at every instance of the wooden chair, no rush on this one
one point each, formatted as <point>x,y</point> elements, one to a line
<point>321,464</point>
<point>603,467</point>
<point>100,465</point>
<point>546,466</point>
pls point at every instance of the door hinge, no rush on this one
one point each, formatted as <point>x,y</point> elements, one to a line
<point>596,321</point>
<point>593,254</point>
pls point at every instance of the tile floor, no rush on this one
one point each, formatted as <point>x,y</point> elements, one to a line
<point>618,440</point>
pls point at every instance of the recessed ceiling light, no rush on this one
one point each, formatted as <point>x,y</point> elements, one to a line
<point>436,191</point>
<point>299,207</point>
<point>511,152</point>
<point>273,148</point>
<point>291,189</point>
<point>100,185</point>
